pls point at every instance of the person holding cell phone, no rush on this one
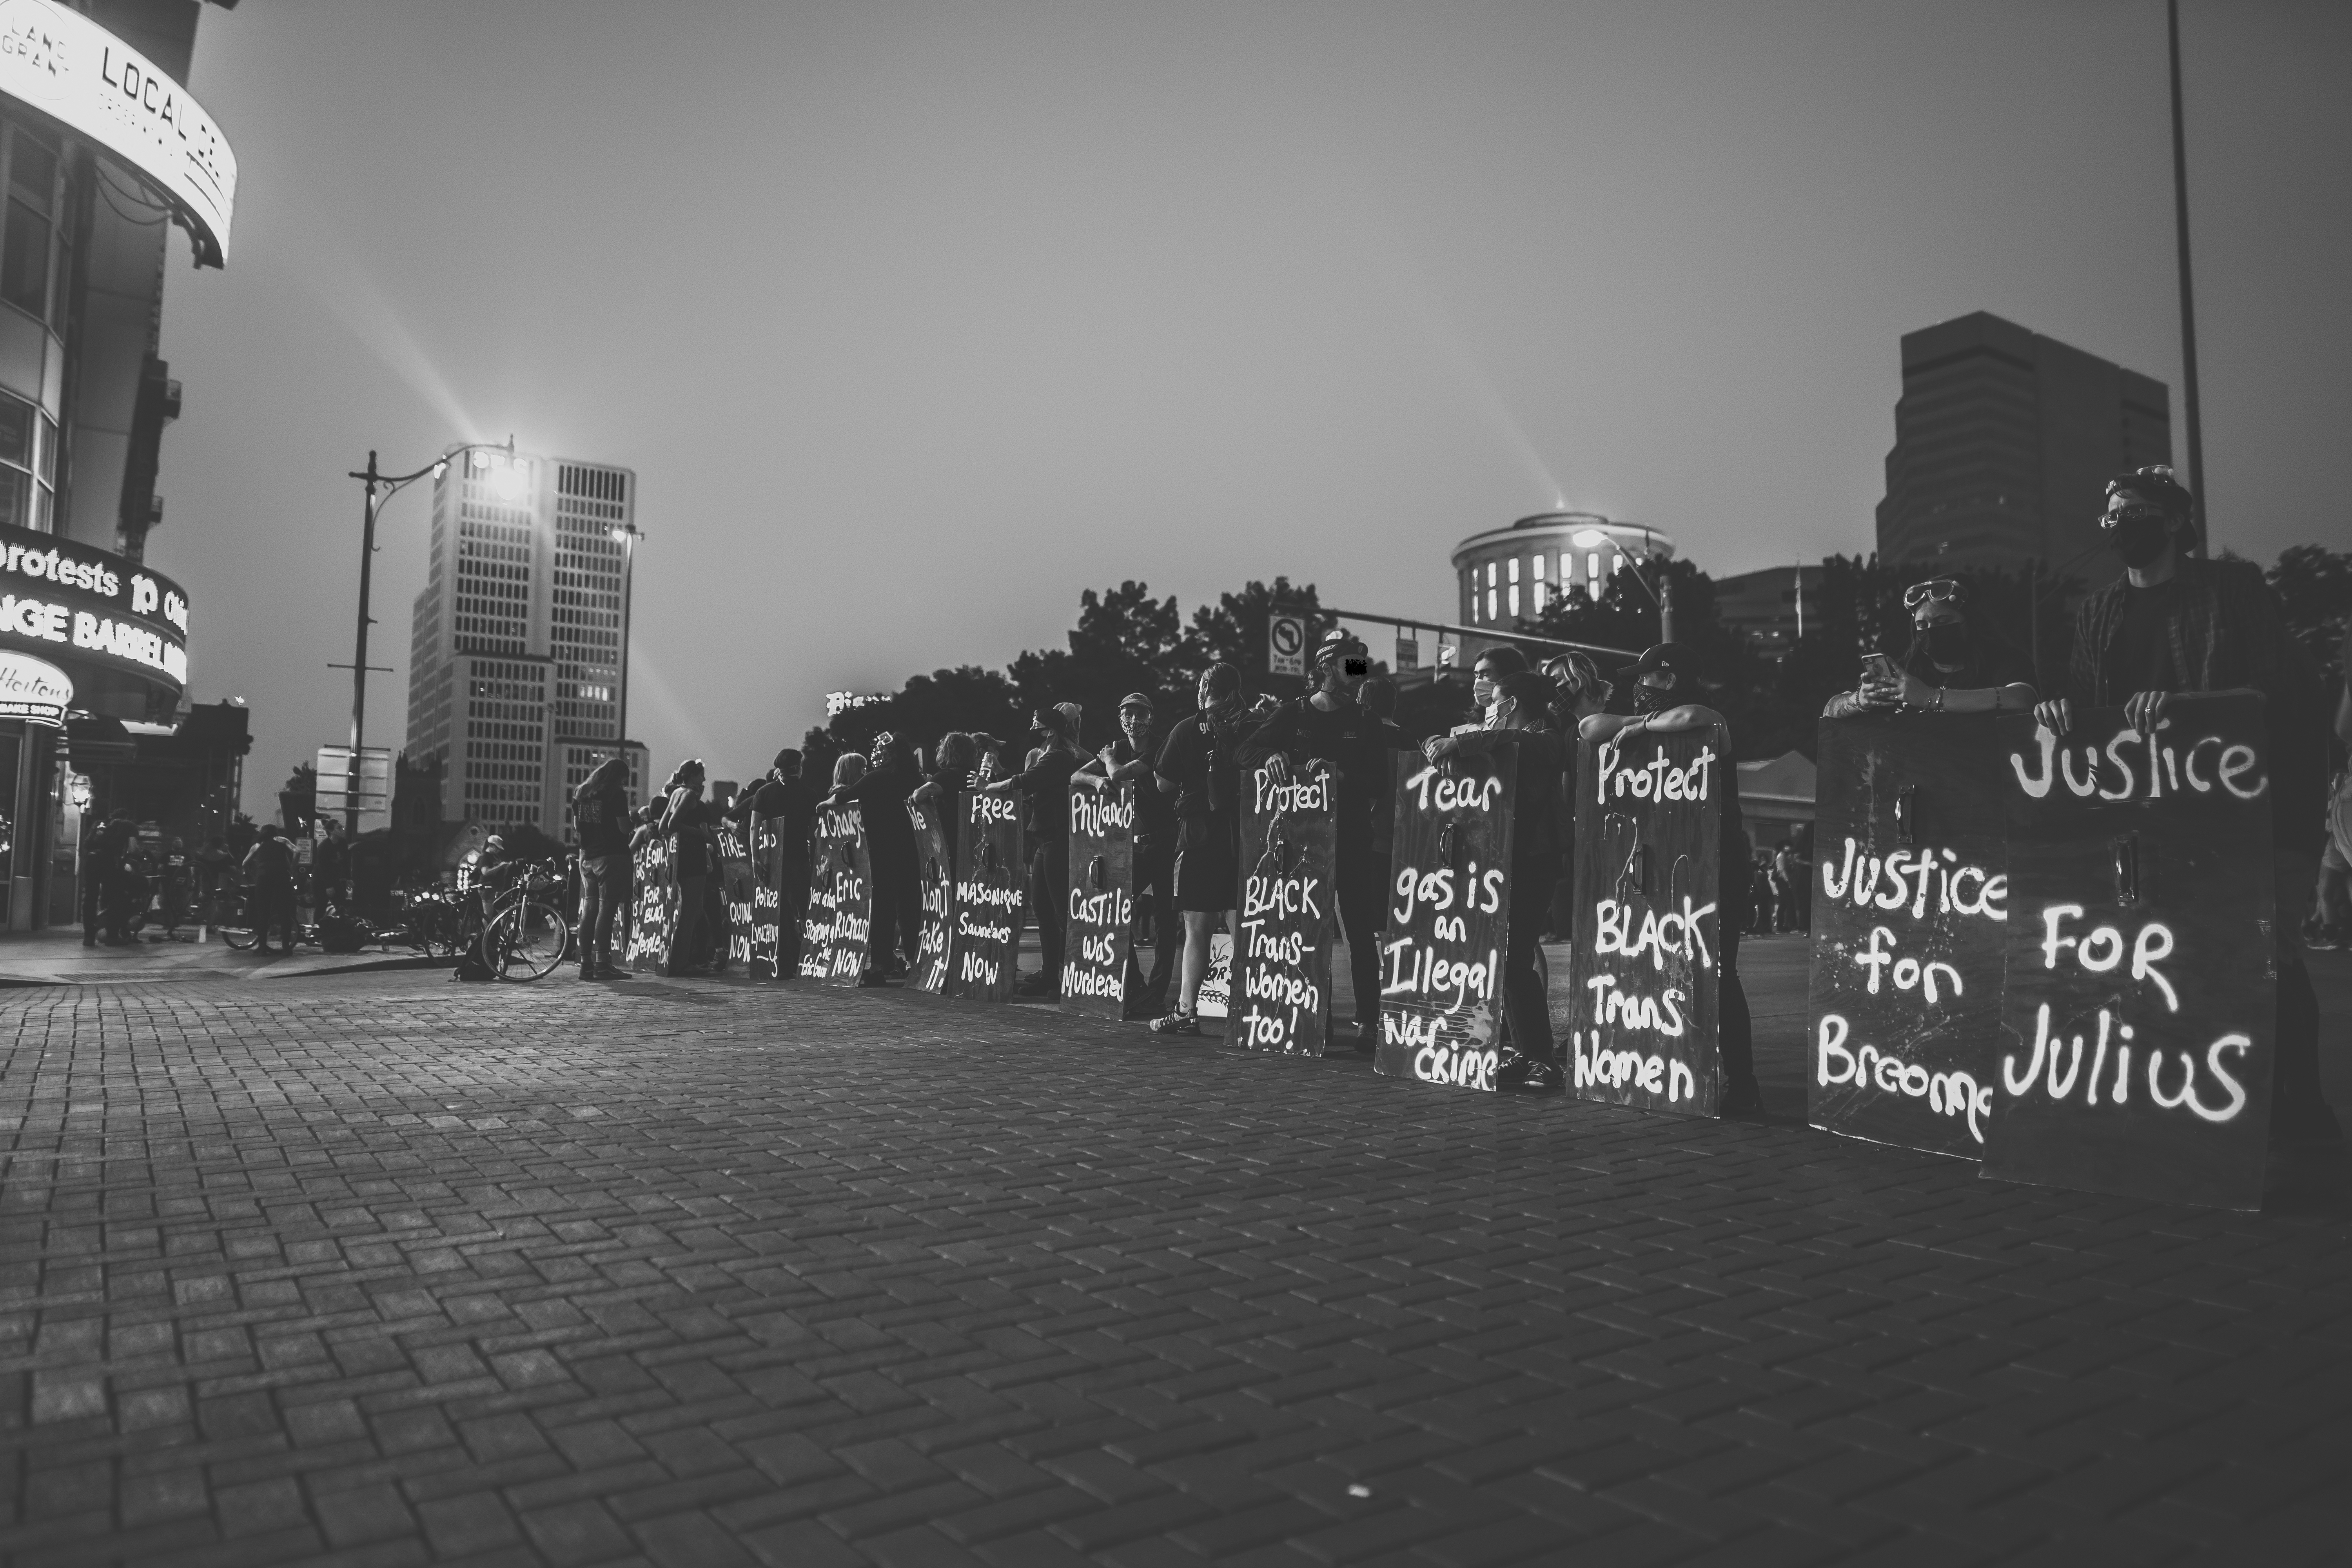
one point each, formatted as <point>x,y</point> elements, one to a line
<point>1953,665</point>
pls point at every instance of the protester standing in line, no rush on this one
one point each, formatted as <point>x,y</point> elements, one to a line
<point>270,872</point>
<point>1486,672</point>
<point>684,823</point>
<point>1542,834</point>
<point>1666,685</point>
<point>954,766</point>
<point>599,820</point>
<point>2174,625</point>
<point>784,799</point>
<point>1198,767</point>
<point>1329,730</point>
<point>1953,665</point>
<point>1128,760</point>
<point>1579,692</point>
<point>896,933</point>
<point>1043,787</point>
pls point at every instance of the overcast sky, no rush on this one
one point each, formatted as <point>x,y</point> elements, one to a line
<point>915,320</point>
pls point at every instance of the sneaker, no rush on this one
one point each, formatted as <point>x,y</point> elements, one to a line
<point>1176,1023</point>
<point>1541,1078</point>
<point>2323,938</point>
<point>1038,982</point>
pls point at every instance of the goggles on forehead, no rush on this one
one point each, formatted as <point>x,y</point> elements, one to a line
<point>2142,513</point>
<point>1942,590</point>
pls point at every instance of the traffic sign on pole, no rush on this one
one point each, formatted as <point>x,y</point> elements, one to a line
<point>1285,645</point>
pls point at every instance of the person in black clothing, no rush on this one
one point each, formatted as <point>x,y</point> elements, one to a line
<point>953,768</point>
<point>103,848</point>
<point>1043,787</point>
<point>896,932</point>
<point>1953,665</point>
<point>269,869</point>
<point>1665,680</point>
<point>1198,767</point>
<point>2175,626</point>
<point>1329,730</point>
<point>1542,832</point>
<point>684,821</point>
<point>789,800</point>
<point>1128,760</point>
<point>331,867</point>
<point>600,818</point>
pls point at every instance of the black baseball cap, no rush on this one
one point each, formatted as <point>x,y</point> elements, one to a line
<point>1667,656</point>
<point>1135,699</point>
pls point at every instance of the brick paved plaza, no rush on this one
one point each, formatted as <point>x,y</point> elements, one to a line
<point>380,1269</point>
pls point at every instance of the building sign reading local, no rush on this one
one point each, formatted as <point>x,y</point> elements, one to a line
<point>58,596</point>
<point>77,73</point>
<point>32,690</point>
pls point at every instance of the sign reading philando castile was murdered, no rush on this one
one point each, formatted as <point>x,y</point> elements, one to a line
<point>1448,919</point>
<point>841,898</point>
<point>75,72</point>
<point>2135,1053</point>
<point>989,897</point>
<point>1646,967</point>
<point>935,882</point>
<point>1101,894</point>
<point>1282,960</point>
<point>1910,925</point>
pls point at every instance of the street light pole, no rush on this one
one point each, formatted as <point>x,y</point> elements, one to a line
<point>2188,299</point>
<point>627,535</point>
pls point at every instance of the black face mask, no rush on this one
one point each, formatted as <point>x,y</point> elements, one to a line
<point>2139,541</point>
<point>1946,642</point>
<point>1652,699</point>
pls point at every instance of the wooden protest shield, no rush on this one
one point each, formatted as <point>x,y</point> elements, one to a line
<point>1644,968</point>
<point>653,905</point>
<point>1288,911</point>
<point>1910,911</point>
<point>1448,921</point>
<point>988,898</point>
<point>1101,911</point>
<point>935,874</point>
<point>767,862</point>
<point>2137,1037</point>
<point>737,885</point>
<point>841,898</point>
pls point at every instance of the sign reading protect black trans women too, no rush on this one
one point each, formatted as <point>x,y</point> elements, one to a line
<point>841,898</point>
<point>2136,1039</point>
<point>1101,897</point>
<point>1644,972</point>
<point>1283,950</point>
<point>1448,922</point>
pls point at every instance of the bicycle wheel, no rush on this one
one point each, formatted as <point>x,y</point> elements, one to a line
<point>434,930</point>
<point>529,940</point>
<point>235,917</point>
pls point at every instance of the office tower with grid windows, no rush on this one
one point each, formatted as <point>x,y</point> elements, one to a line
<point>516,667</point>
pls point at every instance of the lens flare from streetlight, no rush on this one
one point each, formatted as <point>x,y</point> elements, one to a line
<point>508,478</point>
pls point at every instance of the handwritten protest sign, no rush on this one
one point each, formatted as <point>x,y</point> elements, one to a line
<point>653,906</point>
<point>1213,998</point>
<point>1101,894</point>
<point>1910,924</point>
<point>1644,966</point>
<point>1288,910</point>
<point>841,898</point>
<point>766,960</point>
<point>1448,922</point>
<point>2137,1033</point>
<point>988,898</point>
<point>935,881</point>
<point>737,887</point>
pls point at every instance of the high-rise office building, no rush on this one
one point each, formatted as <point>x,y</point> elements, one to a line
<point>516,664</point>
<point>2004,440</point>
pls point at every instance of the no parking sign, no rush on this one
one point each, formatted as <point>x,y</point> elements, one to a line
<point>1285,645</point>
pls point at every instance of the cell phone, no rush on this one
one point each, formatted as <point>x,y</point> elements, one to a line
<point>1355,667</point>
<point>1878,667</point>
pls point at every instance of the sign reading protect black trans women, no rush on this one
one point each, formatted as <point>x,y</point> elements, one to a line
<point>841,898</point>
<point>1910,911</point>
<point>1644,975</point>
<point>1448,922</point>
<point>935,873</point>
<point>988,898</point>
<point>2136,1039</point>
<point>1288,908</point>
<point>1101,896</point>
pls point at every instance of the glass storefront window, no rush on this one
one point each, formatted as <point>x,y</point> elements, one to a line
<point>27,462</point>
<point>31,249</point>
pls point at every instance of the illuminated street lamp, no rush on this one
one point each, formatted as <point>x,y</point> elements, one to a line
<point>507,479</point>
<point>626,535</point>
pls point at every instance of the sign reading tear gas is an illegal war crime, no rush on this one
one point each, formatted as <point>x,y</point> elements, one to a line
<point>767,959</point>
<point>1645,967</point>
<point>841,898</point>
<point>1448,919</point>
<point>1282,960</point>
<point>1910,924</point>
<point>935,887</point>
<point>653,904</point>
<point>1101,913</point>
<point>990,895</point>
<point>2135,1054</point>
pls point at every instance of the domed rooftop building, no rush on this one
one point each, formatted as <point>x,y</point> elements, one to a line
<point>1508,574</point>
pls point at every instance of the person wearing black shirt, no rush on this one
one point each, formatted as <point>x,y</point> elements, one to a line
<point>1128,760</point>
<point>1197,767</point>
<point>1665,679</point>
<point>599,820</point>
<point>896,932</point>
<point>1543,829</point>
<point>686,822</point>
<point>1043,787</point>
<point>1953,665</point>
<point>1329,729</point>
<point>952,769</point>
<point>269,869</point>
<point>788,800</point>
<point>2172,627</point>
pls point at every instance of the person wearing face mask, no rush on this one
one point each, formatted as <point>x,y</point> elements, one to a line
<point>1127,760</point>
<point>2174,625</point>
<point>1952,665</point>
<point>1665,689</point>
<point>896,933</point>
<point>1489,668</point>
<point>1327,730</point>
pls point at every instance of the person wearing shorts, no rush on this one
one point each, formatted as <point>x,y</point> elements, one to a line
<point>1198,767</point>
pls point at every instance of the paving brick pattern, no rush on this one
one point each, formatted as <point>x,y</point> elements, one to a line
<point>388,1270</point>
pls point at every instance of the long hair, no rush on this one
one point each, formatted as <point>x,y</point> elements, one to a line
<point>847,769</point>
<point>957,752</point>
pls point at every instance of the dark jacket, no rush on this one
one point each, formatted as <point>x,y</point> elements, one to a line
<point>1543,821</point>
<point>1355,744</point>
<point>600,817</point>
<point>889,831</point>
